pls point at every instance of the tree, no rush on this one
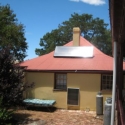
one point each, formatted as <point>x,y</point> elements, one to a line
<point>12,84</point>
<point>93,29</point>
<point>50,40</point>
<point>12,33</point>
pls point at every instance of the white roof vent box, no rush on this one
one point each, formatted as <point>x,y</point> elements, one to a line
<point>74,51</point>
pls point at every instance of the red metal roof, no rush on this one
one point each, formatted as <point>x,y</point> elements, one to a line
<point>46,62</point>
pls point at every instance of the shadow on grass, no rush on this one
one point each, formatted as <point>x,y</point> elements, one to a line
<point>42,109</point>
<point>23,118</point>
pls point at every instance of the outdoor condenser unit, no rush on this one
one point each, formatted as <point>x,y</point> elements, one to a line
<point>73,96</point>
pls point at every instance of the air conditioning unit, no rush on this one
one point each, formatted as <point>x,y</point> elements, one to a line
<point>73,96</point>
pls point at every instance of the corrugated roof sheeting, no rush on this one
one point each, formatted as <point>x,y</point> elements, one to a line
<point>100,61</point>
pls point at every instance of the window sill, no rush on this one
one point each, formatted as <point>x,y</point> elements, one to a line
<point>59,89</point>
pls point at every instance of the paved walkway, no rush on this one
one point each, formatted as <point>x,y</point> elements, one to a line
<point>58,117</point>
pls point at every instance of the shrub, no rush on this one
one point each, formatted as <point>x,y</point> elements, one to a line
<point>5,114</point>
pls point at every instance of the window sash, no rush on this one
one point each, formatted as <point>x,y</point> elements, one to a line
<point>106,82</point>
<point>61,81</point>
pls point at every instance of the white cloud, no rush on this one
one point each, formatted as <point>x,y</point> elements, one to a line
<point>92,2</point>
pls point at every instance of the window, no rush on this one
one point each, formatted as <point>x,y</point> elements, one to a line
<point>124,81</point>
<point>73,96</point>
<point>61,81</point>
<point>107,82</point>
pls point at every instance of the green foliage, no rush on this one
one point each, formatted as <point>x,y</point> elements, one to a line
<point>11,80</point>
<point>93,29</point>
<point>5,114</point>
<point>12,33</point>
<point>12,85</point>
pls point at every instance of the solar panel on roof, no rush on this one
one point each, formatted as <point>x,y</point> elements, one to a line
<point>77,51</point>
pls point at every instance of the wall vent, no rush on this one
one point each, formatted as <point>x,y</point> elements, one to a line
<point>73,96</point>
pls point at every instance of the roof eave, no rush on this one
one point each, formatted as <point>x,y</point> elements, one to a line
<point>70,71</point>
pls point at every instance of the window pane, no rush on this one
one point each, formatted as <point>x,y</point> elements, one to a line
<point>104,77</point>
<point>108,77</point>
<point>61,81</point>
<point>107,81</point>
<point>64,76</point>
<point>64,81</point>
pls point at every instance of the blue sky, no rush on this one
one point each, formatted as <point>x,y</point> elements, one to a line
<point>42,16</point>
